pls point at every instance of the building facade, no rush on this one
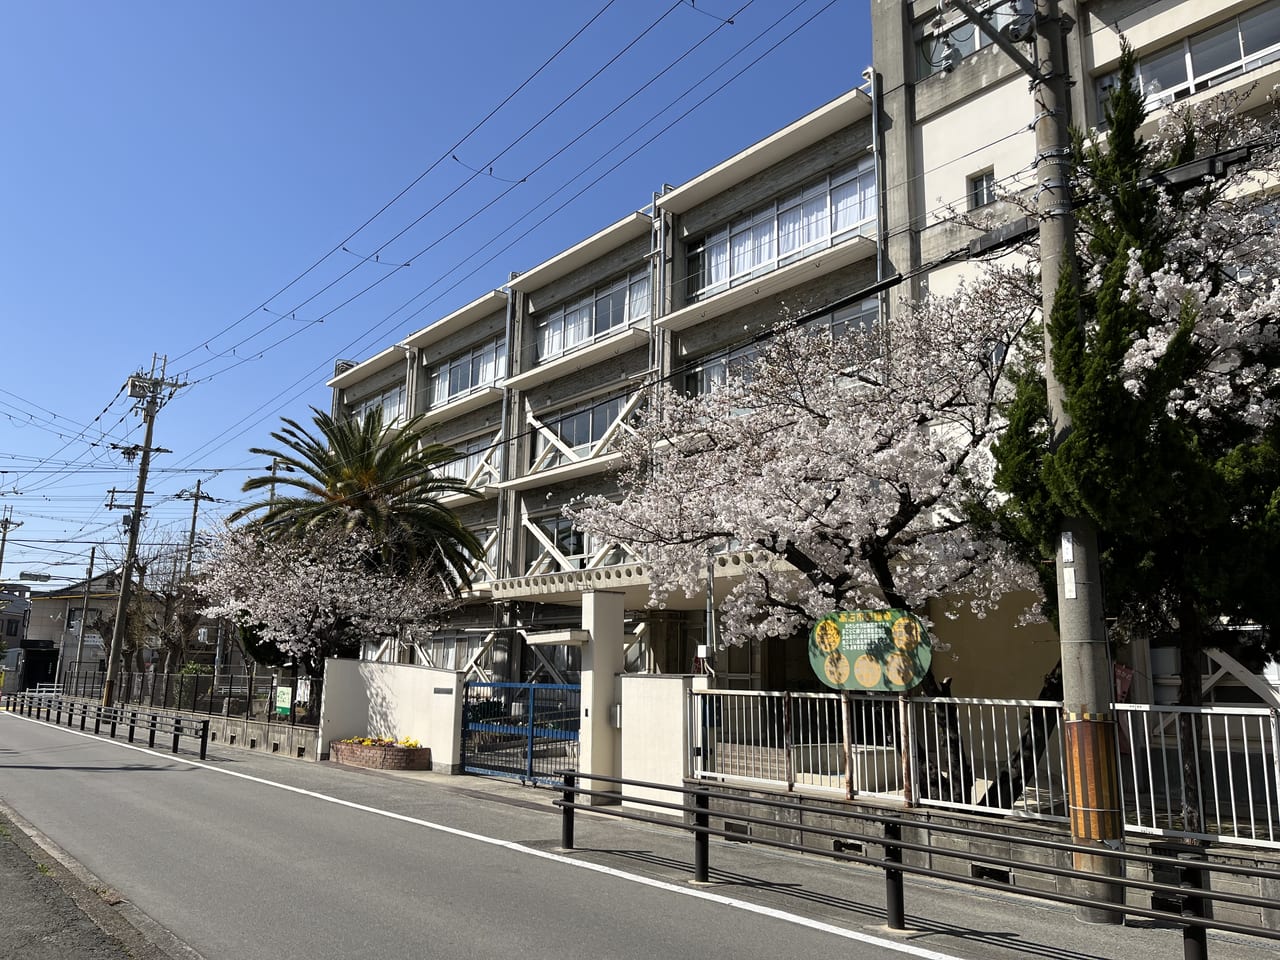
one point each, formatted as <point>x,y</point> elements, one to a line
<point>832,220</point>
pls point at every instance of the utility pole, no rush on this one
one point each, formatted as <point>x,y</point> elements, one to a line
<point>1089,725</point>
<point>146,389</point>
<point>84,609</point>
<point>6,522</point>
<point>195,499</point>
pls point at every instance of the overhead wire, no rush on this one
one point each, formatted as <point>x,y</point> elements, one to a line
<point>181,469</point>
<point>493,201</point>
<point>413,183</point>
<point>306,378</point>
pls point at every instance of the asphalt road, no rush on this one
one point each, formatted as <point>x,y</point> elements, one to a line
<point>246,857</point>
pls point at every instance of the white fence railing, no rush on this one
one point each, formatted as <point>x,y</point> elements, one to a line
<point>994,756</point>
<point>1232,787</point>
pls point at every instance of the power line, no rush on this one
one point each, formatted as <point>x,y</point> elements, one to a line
<point>413,183</point>
<point>227,433</point>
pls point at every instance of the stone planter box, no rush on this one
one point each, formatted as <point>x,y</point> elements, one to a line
<point>380,757</point>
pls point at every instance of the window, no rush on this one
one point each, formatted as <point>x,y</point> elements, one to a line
<point>714,372</point>
<point>390,401</point>
<point>982,189</point>
<point>857,318</point>
<point>935,48</point>
<point>597,314</point>
<point>11,628</point>
<point>1226,50</point>
<point>573,544</point>
<point>813,218</point>
<point>577,547</point>
<point>481,366</point>
<point>473,453</point>
<point>579,428</point>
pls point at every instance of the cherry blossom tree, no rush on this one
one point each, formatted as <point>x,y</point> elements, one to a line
<point>318,596</point>
<point>838,466</point>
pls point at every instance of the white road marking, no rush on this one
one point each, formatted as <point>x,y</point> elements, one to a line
<point>733,902</point>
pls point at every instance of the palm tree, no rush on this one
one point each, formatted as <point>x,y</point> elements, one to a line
<point>361,474</point>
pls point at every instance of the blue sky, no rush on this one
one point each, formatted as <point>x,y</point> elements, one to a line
<point>174,175</point>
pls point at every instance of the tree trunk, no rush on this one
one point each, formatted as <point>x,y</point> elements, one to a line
<point>954,780</point>
<point>1036,733</point>
<point>1190,695</point>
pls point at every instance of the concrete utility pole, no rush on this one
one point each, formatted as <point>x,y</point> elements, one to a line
<point>195,499</point>
<point>84,607</point>
<point>147,389</point>
<point>6,522</point>
<point>1089,726</point>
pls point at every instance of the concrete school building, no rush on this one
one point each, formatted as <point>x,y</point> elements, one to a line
<point>835,217</point>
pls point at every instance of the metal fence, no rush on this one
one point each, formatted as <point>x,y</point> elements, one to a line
<point>995,756</point>
<point>264,697</point>
<point>1235,773</point>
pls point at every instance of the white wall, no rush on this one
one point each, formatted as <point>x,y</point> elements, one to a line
<point>654,732</point>
<point>394,700</point>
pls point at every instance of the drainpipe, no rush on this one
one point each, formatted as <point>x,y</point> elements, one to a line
<point>502,565</point>
<point>877,148</point>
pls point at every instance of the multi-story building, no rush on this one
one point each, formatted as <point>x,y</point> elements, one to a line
<point>832,219</point>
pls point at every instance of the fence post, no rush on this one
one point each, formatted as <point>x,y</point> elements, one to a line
<point>177,732</point>
<point>894,909</point>
<point>530,747</point>
<point>84,715</point>
<point>907,750</point>
<point>133,722</point>
<point>1195,938</point>
<point>151,739</point>
<point>701,839</point>
<point>788,741</point>
<point>58,714</point>
<point>97,720</point>
<point>566,812</point>
<point>204,738</point>
<point>114,717</point>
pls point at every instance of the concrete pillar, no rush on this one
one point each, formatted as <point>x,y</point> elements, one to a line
<point>599,742</point>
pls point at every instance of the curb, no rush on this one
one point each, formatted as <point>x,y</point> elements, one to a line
<point>137,934</point>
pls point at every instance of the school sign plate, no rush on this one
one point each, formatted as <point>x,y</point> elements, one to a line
<point>884,650</point>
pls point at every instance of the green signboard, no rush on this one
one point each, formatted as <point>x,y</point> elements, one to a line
<point>886,650</point>
<point>284,700</point>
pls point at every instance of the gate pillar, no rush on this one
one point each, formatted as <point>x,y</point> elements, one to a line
<point>599,741</point>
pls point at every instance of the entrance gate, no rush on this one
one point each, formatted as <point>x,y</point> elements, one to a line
<point>525,731</point>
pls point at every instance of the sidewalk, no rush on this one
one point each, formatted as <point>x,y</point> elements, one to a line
<point>52,911</point>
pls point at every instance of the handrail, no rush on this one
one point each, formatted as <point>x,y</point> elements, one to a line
<point>1192,889</point>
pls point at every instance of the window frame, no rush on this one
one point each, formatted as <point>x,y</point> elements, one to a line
<point>576,322</point>
<point>464,364</point>
<point>713,265</point>
<point>981,189</point>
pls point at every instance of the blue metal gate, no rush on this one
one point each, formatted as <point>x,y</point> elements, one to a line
<point>520,730</point>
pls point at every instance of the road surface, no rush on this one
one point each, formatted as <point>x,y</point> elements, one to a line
<point>247,856</point>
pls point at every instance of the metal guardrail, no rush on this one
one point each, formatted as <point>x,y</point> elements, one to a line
<point>54,706</point>
<point>993,756</point>
<point>1192,894</point>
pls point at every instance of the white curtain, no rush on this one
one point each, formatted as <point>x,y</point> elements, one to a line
<point>638,299</point>
<point>802,225</point>
<point>716,258</point>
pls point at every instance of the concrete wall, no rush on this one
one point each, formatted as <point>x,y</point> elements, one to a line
<point>654,731</point>
<point>394,700</point>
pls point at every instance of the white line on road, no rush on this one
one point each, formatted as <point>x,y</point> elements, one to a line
<point>733,902</point>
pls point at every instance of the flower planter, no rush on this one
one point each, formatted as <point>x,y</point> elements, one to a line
<point>380,756</point>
